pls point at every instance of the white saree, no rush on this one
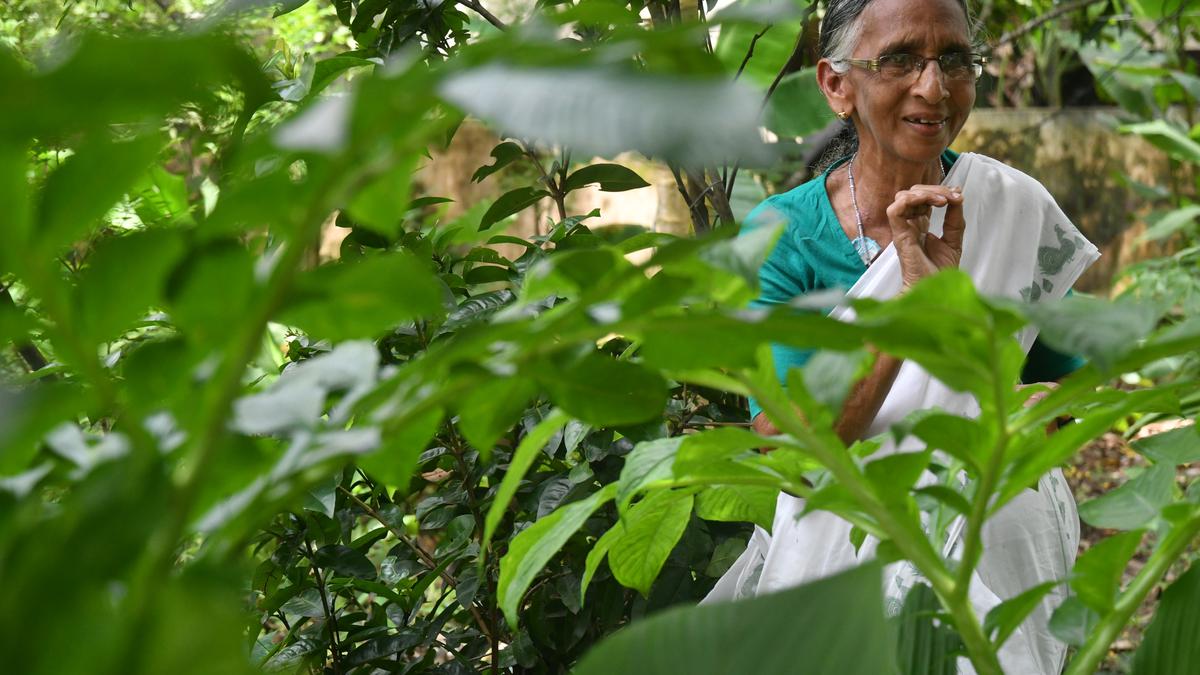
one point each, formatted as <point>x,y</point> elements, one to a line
<point>1018,244</point>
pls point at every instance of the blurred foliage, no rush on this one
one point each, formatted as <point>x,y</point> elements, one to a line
<point>221,454</point>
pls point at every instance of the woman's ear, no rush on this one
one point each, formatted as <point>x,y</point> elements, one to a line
<point>837,88</point>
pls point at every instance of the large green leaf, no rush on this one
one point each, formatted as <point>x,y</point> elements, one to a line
<point>650,461</point>
<point>1170,222</point>
<point>530,550</point>
<point>649,531</point>
<point>738,504</point>
<point>1168,137</point>
<point>1170,646</point>
<point>1177,446</point>
<point>798,108</point>
<point>505,153</point>
<point>124,278</point>
<point>925,643</point>
<point>489,410</point>
<point>834,625</point>
<point>364,298</point>
<point>1135,503</point>
<point>1097,573</point>
<point>1096,329</point>
<point>604,391</point>
<point>87,185</point>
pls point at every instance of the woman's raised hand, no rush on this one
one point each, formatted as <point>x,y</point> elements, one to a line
<point>922,254</point>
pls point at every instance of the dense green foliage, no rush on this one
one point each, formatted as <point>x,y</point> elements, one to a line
<point>427,456</point>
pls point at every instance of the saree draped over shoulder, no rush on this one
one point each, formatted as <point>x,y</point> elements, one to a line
<point>1019,245</point>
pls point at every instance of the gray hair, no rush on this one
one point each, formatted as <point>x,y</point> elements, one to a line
<point>841,27</point>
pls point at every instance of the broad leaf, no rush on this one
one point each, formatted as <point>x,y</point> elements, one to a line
<point>834,625</point>
<point>530,550</point>
<point>650,461</point>
<point>1170,644</point>
<point>505,153</point>
<point>1005,617</point>
<point>738,504</point>
<point>649,532</point>
<point>603,391</point>
<point>1177,446</point>
<point>1135,503</point>
<point>1100,331</point>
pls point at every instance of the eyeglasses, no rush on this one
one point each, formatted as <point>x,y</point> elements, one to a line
<point>956,66</point>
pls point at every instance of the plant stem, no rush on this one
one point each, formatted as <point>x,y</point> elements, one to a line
<point>1088,658</point>
<point>335,647</point>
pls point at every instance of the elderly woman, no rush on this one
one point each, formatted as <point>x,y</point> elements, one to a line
<point>896,208</point>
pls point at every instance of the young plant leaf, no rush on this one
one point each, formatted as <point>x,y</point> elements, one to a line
<point>530,550</point>
<point>1170,644</point>
<point>1097,573</point>
<point>1005,617</point>
<point>1177,446</point>
<point>505,153</point>
<point>651,530</point>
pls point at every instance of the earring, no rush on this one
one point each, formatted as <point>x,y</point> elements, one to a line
<point>843,115</point>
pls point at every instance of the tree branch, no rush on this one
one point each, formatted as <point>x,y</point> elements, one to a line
<point>478,8</point>
<point>750,51</point>
<point>1033,24</point>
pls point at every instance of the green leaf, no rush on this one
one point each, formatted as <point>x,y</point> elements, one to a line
<point>362,299</point>
<point>381,204</point>
<point>924,644</point>
<point>1166,136</point>
<point>530,550</point>
<point>798,108</point>
<point>1177,446</point>
<point>1167,224</point>
<point>1169,645</point>
<point>509,203</point>
<point>834,625</point>
<point>344,561</point>
<point>1098,330</point>
<point>1005,617</point>
<point>611,177</point>
<point>650,531</point>
<point>86,185</point>
<point>745,254</point>
<point>828,376</point>
<point>491,409</point>
<point>1073,621</point>
<point>606,392</point>
<point>288,6</point>
<point>393,463</point>
<point>963,439</point>
<point>1135,503</point>
<point>505,153</point>
<point>649,461</point>
<point>529,449</point>
<point>738,504</point>
<point>724,555</point>
<point>1097,573</point>
<point>893,475</point>
<point>124,279</point>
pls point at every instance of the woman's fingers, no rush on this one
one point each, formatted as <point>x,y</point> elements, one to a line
<point>954,225</point>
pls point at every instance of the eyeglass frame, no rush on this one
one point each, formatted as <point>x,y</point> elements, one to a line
<point>978,61</point>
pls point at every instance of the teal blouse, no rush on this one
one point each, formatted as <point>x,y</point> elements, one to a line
<point>814,254</point>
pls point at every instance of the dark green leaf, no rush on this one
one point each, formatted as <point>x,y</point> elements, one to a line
<point>611,177</point>
<point>491,409</point>
<point>344,561</point>
<point>124,279</point>
<point>505,153</point>
<point>650,461</point>
<point>509,203</point>
<point>1100,331</point>
<point>1073,621</point>
<point>528,450</point>
<point>925,645</point>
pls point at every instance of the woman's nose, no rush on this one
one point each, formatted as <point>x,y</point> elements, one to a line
<point>931,82</point>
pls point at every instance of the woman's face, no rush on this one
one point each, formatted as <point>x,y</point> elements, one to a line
<point>894,115</point>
